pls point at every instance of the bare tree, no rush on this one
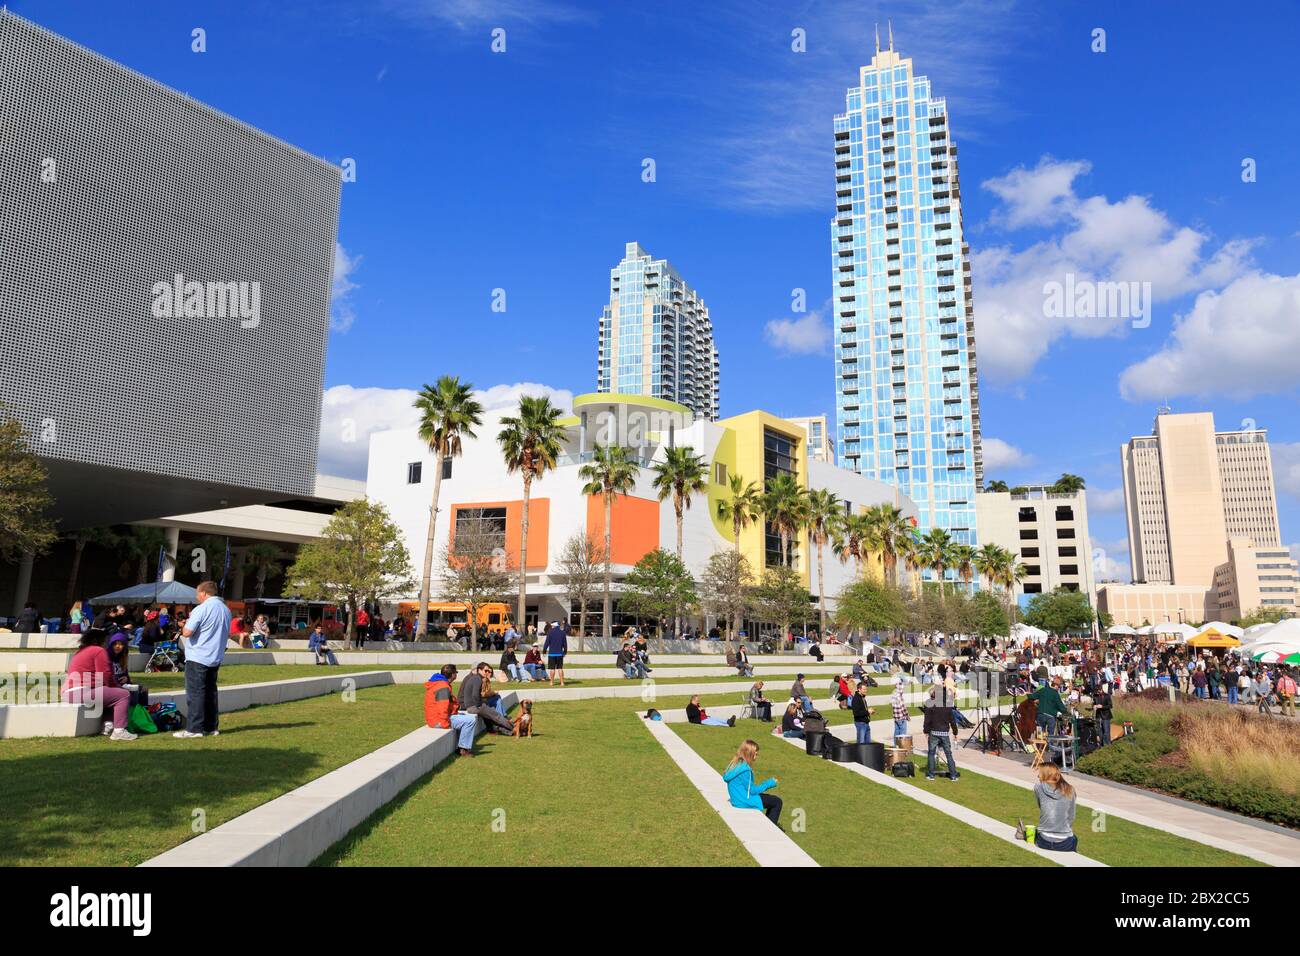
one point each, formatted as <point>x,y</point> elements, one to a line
<point>582,562</point>
<point>477,571</point>
<point>725,589</point>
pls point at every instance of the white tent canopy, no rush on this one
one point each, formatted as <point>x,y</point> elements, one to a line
<point>1229,629</point>
<point>1022,632</point>
<point>1178,632</point>
<point>1287,631</point>
<point>1120,629</point>
<point>1145,629</point>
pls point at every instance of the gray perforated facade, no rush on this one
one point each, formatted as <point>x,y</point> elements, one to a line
<point>109,184</point>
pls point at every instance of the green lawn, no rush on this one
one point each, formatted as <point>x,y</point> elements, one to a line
<point>1118,842</point>
<point>89,801</point>
<point>593,787</point>
<point>851,821</point>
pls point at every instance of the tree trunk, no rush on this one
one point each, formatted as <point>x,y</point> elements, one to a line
<point>72,575</point>
<point>261,580</point>
<point>523,549</point>
<point>142,569</point>
<point>352,622</point>
<point>422,622</point>
<point>582,623</point>
<point>821,592</point>
<point>677,616</point>
<point>609,623</point>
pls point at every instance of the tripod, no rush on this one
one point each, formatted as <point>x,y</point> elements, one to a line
<point>987,732</point>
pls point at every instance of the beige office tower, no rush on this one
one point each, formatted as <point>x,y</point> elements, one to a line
<point>1187,490</point>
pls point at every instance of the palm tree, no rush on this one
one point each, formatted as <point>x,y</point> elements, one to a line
<point>996,486</point>
<point>263,559</point>
<point>988,562</point>
<point>742,508</point>
<point>908,550</point>
<point>611,472</point>
<point>142,544</point>
<point>785,504</point>
<point>104,537</point>
<point>963,561</point>
<point>936,553</point>
<point>824,512</point>
<point>448,414</point>
<point>682,475</point>
<point>891,535</point>
<point>1068,484</point>
<point>852,537</point>
<point>530,443</point>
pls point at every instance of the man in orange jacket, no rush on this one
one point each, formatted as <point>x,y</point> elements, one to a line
<point>442,709</point>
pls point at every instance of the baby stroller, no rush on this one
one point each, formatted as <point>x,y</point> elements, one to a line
<point>166,657</point>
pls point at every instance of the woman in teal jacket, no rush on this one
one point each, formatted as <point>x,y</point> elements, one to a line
<point>742,790</point>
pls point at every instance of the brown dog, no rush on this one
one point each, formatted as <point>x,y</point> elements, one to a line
<point>524,721</point>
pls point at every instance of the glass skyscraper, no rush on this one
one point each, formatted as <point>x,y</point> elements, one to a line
<point>907,396</point>
<point>656,337</point>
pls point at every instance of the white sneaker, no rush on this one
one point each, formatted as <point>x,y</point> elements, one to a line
<point>214,733</point>
<point>185,734</point>
<point>107,728</point>
<point>122,734</point>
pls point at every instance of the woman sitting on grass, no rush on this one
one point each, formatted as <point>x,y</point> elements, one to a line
<point>741,789</point>
<point>698,715</point>
<point>1055,811</point>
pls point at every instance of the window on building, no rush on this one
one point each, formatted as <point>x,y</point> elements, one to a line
<point>413,472</point>
<point>1067,552</point>
<point>490,523</point>
<point>1033,589</point>
<point>1029,552</point>
<point>1028,534</point>
<point>1065,533</point>
<point>1028,514</point>
<point>1064,513</point>
<point>1070,569</point>
<point>719,473</point>
<point>446,468</point>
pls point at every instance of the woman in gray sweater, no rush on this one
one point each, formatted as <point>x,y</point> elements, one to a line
<point>1055,811</point>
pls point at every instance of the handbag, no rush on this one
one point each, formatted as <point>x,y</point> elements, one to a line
<point>138,721</point>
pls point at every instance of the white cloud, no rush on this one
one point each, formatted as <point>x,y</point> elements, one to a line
<point>1092,240</point>
<point>806,336</point>
<point>1286,467</point>
<point>342,313</point>
<point>1105,500</point>
<point>1000,454</point>
<point>1240,341</point>
<point>350,415</point>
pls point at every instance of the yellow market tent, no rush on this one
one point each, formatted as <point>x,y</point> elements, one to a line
<point>1212,639</point>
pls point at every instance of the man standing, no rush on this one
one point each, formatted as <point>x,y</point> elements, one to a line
<point>205,635</point>
<point>555,647</point>
<point>940,725</point>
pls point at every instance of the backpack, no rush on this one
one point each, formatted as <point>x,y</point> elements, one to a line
<point>814,721</point>
<point>165,716</point>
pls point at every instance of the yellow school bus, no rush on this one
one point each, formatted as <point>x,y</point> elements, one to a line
<point>452,618</point>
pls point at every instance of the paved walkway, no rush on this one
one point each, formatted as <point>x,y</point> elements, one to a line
<point>966,815</point>
<point>765,843</point>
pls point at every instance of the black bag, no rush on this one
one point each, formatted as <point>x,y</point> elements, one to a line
<point>904,768</point>
<point>871,681</point>
<point>814,722</point>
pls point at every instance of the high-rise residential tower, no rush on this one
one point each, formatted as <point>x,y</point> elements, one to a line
<point>656,338</point>
<point>907,396</point>
<point>1188,489</point>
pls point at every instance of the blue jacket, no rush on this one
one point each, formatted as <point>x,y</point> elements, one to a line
<point>741,788</point>
<point>556,643</point>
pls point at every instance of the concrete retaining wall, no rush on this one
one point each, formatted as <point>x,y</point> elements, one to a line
<point>295,829</point>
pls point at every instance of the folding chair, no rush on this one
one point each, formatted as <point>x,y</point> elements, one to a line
<point>747,708</point>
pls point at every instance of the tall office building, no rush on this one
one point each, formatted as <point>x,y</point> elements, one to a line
<point>907,395</point>
<point>1188,489</point>
<point>656,338</point>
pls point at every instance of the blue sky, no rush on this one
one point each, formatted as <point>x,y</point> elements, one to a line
<point>522,171</point>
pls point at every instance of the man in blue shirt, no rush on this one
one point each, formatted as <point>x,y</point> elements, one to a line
<point>555,647</point>
<point>205,635</point>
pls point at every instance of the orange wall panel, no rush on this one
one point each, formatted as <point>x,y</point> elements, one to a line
<point>635,526</point>
<point>539,523</point>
